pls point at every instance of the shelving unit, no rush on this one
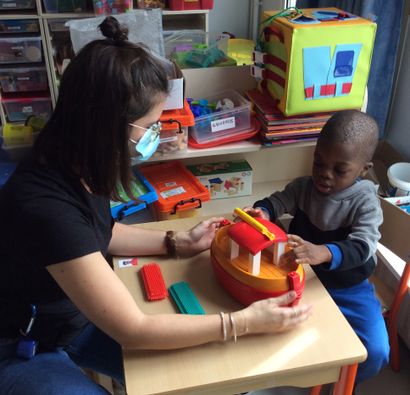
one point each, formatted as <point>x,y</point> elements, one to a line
<point>172,20</point>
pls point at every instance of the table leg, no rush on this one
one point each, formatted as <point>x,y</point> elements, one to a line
<point>346,381</point>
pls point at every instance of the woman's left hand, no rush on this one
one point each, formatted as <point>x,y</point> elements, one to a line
<point>198,238</point>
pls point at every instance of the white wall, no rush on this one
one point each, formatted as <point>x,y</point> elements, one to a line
<point>230,16</point>
<point>234,16</point>
<point>398,128</point>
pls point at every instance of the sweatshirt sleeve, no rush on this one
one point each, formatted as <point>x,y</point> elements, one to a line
<point>361,243</point>
<point>282,202</point>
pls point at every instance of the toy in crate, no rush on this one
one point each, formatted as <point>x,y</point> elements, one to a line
<point>219,116</point>
<point>245,257</point>
<point>111,7</point>
<point>140,188</point>
<point>179,5</point>
<point>314,60</point>
<point>199,50</point>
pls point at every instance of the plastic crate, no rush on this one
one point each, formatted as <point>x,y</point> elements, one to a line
<point>17,5</point>
<point>179,5</point>
<point>20,50</point>
<point>56,6</point>
<point>6,170</point>
<point>174,131</point>
<point>222,124</point>
<point>198,49</point>
<point>8,26</point>
<point>177,38</point>
<point>23,79</point>
<point>180,194</point>
<point>142,189</point>
<point>18,109</point>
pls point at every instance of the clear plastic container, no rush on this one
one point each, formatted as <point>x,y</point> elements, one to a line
<point>17,5</point>
<point>174,131</point>
<point>179,38</point>
<point>20,50</point>
<point>196,48</point>
<point>8,26</point>
<point>18,109</point>
<point>23,79</point>
<point>224,123</point>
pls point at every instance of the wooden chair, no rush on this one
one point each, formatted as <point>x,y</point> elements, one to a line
<point>395,235</point>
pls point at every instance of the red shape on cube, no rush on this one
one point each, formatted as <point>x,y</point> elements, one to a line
<point>327,90</point>
<point>346,87</point>
<point>309,92</point>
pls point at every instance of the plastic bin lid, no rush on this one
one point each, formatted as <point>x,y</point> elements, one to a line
<point>177,188</point>
<point>183,115</point>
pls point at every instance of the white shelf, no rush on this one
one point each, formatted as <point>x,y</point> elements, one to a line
<point>67,15</point>
<point>19,16</point>
<point>232,148</point>
<point>184,12</point>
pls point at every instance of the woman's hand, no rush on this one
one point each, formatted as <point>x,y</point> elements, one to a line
<point>308,253</point>
<point>271,315</point>
<point>198,238</point>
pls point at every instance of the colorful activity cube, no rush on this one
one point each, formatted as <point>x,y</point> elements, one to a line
<point>315,60</point>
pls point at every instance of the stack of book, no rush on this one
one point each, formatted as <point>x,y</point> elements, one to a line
<point>278,129</point>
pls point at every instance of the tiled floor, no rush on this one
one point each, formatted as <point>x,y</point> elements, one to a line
<point>386,383</point>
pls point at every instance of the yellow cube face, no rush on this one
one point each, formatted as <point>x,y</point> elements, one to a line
<point>318,60</point>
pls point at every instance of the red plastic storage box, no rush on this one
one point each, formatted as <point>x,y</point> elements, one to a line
<point>179,5</point>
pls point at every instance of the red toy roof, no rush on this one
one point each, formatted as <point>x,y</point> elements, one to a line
<point>253,240</point>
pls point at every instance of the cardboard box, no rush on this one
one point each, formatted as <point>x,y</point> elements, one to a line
<point>225,179</point>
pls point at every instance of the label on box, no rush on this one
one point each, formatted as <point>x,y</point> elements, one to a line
<point>222,124</point>
<point>225,179</point>
<point>173,192</point>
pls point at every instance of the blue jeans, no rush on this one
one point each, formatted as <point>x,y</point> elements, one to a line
<point>363,311</point>
<point>58,372</point>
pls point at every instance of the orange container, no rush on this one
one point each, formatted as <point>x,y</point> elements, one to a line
<point>174,131</point>
<point>180,194</point>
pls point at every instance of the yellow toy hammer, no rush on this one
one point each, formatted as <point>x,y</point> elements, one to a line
<point>254,223</point>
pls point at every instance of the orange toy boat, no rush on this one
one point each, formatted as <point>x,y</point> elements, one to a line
<point>245,257</point>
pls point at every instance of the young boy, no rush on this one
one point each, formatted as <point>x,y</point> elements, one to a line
<point>336,216</point>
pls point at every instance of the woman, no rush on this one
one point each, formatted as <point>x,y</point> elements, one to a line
<point>57,290</point>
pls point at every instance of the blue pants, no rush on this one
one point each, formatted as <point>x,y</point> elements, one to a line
<point>58,372</point>
<point>363,311</point>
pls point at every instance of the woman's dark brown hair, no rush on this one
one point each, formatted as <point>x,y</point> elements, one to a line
<point>110,83</point>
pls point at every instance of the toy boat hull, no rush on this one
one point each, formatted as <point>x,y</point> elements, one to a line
<point>235,277</point>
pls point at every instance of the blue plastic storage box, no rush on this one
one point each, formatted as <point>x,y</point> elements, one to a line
<point>141,188</point>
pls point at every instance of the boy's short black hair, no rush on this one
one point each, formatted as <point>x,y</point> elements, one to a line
<point>353,127</point>
<point>108,84</point>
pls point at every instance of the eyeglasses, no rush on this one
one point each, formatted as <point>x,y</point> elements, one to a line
<point>155,130</point>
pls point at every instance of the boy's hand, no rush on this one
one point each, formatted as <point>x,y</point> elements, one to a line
<point>256,212</point>
<point>309,253</point>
